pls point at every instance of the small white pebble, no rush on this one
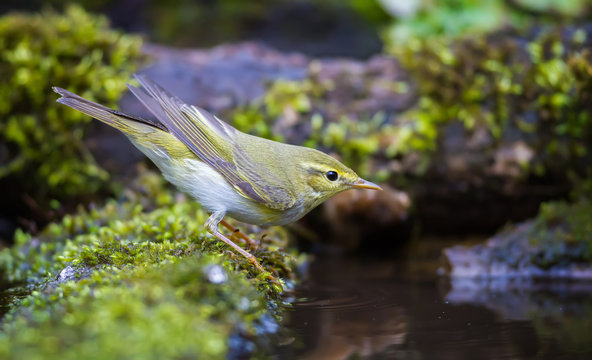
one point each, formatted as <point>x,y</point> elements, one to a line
<point>67,274</point>
<point>215,274</point>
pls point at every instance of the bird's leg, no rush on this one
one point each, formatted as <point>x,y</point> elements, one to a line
<point>212,227</point>
<point>250,243</point>
<point>262,238</point>
<point>234,239</point>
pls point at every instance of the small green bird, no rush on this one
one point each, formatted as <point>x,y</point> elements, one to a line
<point>230,173</point>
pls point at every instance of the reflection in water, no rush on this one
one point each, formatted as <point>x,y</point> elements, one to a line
<point>559,310</point>
<point>343,313</point>
<point>384,309</point>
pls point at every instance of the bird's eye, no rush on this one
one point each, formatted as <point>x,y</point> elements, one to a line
<point>331,175</point>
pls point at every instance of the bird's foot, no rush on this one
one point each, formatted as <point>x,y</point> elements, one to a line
<point>251,244</point>
<point>274,282</point>
<point>252,259</point>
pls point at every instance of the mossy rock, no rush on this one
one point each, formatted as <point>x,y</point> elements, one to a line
<point>536,89</point>
<point>174,309</point>
<point>557,243</point>
<point>562,233</point>
<point>138,277</point>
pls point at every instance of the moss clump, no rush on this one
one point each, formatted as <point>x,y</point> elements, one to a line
<point>538,91</point>
<point>148,282</point>
<point>41,142</point>
<point>562,233</point>
<point>155,311</point>
<point>284,103</point>
<point>557,242</point>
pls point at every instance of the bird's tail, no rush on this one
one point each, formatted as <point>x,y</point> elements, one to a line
<point>128,124</point>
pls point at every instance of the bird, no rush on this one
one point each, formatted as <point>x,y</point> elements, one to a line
<point>230,173</point>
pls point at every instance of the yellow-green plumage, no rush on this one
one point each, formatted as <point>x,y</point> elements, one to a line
<point>251,179</point>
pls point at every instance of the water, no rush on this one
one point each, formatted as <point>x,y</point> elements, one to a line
<point>389,309</point>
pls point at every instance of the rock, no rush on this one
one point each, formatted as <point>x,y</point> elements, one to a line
<point>510,160</point>
<point>67,274</point>
<point>353,215</point>
<point>518,253</point>
<point>220,78</point>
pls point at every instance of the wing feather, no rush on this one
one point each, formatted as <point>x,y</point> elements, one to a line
<point>213,142</point>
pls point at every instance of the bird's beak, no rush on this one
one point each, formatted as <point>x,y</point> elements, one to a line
<point>364,184</point>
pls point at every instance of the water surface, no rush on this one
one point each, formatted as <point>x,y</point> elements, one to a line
<point>400,309</point>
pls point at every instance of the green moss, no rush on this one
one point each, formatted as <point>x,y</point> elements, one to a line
<point>284,101</point>
<point>142,284</point>
<point>41,142</point>
<point>562,233</point>
<point>166,310</point>
<point>455,18</point>
<point>505,87</point>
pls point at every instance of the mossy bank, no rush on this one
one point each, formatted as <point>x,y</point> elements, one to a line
<point>138,277</point>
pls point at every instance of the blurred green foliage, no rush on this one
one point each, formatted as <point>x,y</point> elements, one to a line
<point>507,85</point>
<point>142,285</point>
<point>457,18</point>
<point>41,142</point>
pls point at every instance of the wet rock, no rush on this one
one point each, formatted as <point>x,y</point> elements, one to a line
<point>514,254</point>
<point>70,273</point>
<point>67,274</point>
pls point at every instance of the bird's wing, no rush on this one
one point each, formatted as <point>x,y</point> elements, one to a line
<point>212,141</point>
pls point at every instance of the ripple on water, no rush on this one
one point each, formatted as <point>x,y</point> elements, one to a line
<point>334,298</point>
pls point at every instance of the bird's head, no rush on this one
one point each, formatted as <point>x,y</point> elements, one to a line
<point>326,176</point>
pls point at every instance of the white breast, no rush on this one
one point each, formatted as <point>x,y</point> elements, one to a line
<point>214,193</point>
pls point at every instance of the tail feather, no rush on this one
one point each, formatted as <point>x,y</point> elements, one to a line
<point>109,116</point>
